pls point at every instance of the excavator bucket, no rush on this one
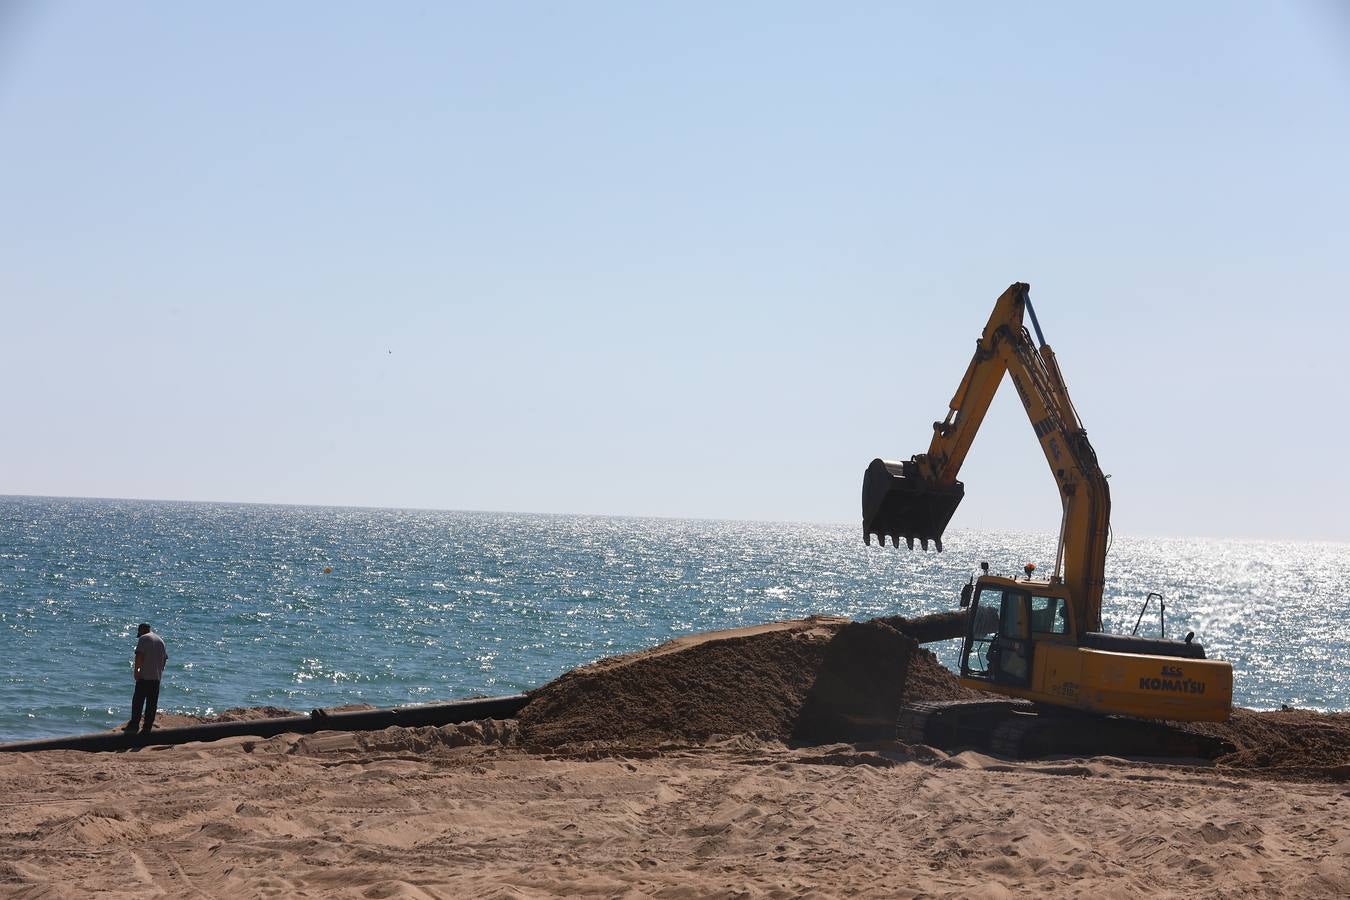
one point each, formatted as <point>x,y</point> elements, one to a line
<point>897,502</point>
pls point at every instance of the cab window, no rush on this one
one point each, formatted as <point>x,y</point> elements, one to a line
<point>988,605</point>
<point>984,626</point>
<point>1014,615</point>
<point>1048,615</point>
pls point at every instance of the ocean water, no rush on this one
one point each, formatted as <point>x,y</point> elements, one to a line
<point>426,605</point>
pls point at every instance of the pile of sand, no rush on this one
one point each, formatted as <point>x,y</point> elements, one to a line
<point>812,680</point>
<point>826,679</point>
<point>1292,743</point>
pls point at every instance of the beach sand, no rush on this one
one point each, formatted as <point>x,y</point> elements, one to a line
<point>571,802</point>
<point>392,814</point>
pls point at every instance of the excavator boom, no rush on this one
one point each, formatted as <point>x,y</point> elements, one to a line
<point>915,499</point>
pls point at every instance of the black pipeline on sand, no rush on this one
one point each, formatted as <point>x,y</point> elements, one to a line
<point>318,720</point>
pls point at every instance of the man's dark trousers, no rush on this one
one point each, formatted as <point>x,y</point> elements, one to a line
<point>145,697</point>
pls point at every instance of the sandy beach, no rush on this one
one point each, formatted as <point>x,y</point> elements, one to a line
<point>402,814</point>
<point>615,783</point>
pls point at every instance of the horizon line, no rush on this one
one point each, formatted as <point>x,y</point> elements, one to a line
<point>673,518</point>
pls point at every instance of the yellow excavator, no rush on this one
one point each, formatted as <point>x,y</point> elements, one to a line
<point>1037,639</point>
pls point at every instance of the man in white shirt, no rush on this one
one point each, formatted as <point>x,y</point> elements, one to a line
<point>148,669</point>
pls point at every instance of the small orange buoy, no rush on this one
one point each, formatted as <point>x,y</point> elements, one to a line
<point>328,570</point>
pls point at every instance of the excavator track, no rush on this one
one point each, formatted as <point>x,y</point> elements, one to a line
<point>1017,729</point>
<point>954,724</point>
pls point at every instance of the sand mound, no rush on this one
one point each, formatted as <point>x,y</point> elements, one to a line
<point>822,680</point>
<point>1296,743</point>
<point>812,680</point>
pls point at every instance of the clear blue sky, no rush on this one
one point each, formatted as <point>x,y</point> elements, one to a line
<point>689,260</point>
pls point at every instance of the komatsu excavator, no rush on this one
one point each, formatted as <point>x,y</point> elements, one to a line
<point>1037,639</point>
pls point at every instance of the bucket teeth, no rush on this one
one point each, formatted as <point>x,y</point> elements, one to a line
<point>899,501</point>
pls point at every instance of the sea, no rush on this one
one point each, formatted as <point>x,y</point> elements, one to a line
<point>307,607</point>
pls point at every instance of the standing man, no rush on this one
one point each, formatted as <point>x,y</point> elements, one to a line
<point>148,669</point>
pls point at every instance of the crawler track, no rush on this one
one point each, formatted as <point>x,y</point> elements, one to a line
<point>1017,729</point>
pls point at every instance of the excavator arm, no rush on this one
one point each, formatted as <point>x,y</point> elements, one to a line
<point>916,498</point>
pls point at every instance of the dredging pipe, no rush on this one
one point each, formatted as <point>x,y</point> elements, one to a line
<point>318,720</point>
<point>943,626</point>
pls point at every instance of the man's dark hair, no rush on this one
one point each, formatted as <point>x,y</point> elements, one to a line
<point>145,626</point>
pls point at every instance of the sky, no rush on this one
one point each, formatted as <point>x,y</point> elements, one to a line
<point>697,260</point>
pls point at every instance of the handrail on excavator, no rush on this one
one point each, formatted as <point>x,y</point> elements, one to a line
<point>1162,614</point>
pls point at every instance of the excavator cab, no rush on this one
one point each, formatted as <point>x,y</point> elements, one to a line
<point>898,502</point>
<point>1021,641</point>
<point>1008,620</point>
